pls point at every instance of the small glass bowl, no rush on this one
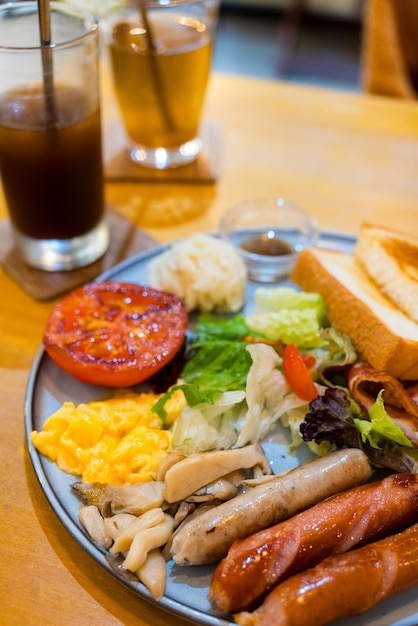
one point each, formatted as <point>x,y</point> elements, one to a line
<point>269,233</point>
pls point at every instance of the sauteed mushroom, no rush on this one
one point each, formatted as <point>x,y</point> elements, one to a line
<point>112,499</point>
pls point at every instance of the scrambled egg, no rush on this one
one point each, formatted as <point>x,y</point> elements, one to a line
<point>117,441</point>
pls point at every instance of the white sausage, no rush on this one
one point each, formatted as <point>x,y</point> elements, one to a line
<point>208,537</point>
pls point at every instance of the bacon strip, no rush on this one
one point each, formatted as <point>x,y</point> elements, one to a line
<point>412,390</point>
<point>256,564</point>
<point>365,383</point>
<point>342,585</point>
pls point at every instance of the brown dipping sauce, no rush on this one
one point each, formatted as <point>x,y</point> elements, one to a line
<point>267,246</point>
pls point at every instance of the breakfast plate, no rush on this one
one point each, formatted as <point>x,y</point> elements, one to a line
<point>186,592</point>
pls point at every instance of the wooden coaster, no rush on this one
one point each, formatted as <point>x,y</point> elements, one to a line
<point>125,240</point>
<point>120,168</point>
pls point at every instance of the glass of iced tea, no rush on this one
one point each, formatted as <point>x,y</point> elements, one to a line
<point>50,135</point>
<point>160,54</point>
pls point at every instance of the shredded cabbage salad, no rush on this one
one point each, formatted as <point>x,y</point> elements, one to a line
<point>233,380</point>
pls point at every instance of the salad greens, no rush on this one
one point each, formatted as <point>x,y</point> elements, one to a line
<point>211,328</point>
<point>292,316</point>
<point>235,389</point>
<point>224,418</point>
<point>334,420</point>
<point>218,362</point>
<point>289,299</point>
<point>288,315</point>
<point>233,381</point>
<point>268,396</point>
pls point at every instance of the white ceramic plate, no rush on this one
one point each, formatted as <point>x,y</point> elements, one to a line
<point>48,387</point>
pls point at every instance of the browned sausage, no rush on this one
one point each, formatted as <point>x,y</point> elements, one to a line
<point>366,513</point>
<point>342,585</point>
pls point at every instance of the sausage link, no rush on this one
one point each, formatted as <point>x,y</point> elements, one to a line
<point>341,586</point>
<point>365,513</point>
<point>208,537</point>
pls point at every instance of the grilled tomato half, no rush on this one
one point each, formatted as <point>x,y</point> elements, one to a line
<point>115,334</point>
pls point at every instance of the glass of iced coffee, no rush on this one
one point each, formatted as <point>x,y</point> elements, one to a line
<point>160,54</point>
<point>50,135</point>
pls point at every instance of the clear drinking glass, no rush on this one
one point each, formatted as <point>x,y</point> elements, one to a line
<point>160,54</point>
<point>50,136</point>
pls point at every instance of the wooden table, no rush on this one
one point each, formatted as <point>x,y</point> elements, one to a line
<point>344,157</point>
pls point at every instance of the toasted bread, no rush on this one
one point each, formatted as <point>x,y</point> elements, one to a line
<point>391,260</point>
<point>382,334</point>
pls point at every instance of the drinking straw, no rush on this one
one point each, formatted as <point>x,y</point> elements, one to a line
<point>44,12</point>
<point>158,83</point>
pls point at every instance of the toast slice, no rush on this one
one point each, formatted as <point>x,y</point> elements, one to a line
<point>381,332</point>
<point>391,260</point>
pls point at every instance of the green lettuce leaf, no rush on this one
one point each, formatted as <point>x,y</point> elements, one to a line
<point>380,425</point>
<point>221,366</point>
<point>217,365</point>
<point>211,328</point>
<point>287,315</point>
<point>273,299</point>
<point>298,327</point>
<point>336,350</point>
